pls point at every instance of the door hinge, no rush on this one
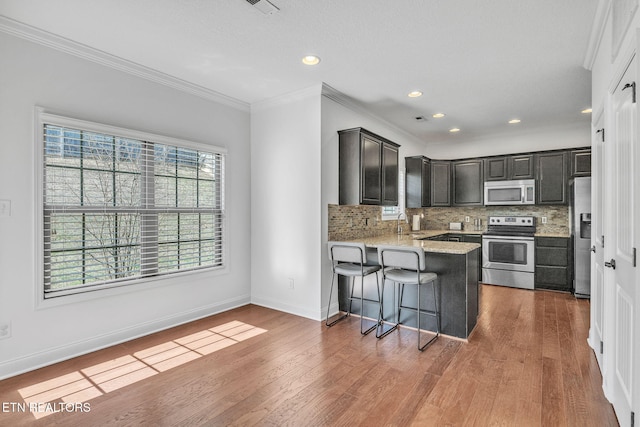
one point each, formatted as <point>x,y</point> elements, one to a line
<point>633,88</point>
<point>601,347</point>
<point>634,257</point>
<point>633,418</point>
<point>601,131</point>
<point>602,241</point>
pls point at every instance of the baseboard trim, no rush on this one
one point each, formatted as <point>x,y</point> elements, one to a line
<point>17,366</point>
<point>287,308</point>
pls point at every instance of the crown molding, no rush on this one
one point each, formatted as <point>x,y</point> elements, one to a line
<point>44,38</point>
<point>287,98</point>
<point>357,107</point>
<point>597,32</point>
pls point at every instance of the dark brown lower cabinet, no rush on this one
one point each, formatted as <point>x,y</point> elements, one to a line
<point>552,263</point>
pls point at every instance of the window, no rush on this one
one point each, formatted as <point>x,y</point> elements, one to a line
<point>392,212</point>
<point>120,205</point>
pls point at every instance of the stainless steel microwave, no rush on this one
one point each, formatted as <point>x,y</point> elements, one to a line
<point>516,192</point>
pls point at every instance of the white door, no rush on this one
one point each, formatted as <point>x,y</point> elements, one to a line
<point>596,331</point>
<point>619,276</point>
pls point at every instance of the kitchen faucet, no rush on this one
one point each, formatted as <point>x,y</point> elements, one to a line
<point>399,228</point>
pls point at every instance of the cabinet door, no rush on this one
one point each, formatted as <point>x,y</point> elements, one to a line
<point>551,186</point>
<point>521,167</point>
<point>418,182</point>
<point>495,169</point>
<point>389,175</point>
<point>426,183</point>
<point>552,263</point>
<point>440,183</point>
<point>581,163</point>
<point>371,173</point>
<point>467,183</point>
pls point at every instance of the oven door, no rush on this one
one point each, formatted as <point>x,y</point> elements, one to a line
<point>513,253</point>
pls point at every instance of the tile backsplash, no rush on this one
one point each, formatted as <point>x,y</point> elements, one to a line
<point>353,221</point>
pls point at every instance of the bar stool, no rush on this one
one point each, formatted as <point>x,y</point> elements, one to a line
<point>406,266</point>
<point>350,260</point>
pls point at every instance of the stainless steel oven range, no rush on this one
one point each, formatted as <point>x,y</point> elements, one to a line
<point>508,251</point>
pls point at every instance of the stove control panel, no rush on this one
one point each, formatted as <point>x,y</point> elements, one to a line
<point>520,221</point>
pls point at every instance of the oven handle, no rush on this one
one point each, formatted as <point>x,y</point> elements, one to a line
<point>494,237</point>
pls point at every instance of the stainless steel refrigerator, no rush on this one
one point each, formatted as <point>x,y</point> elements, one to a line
<point>580,212</point>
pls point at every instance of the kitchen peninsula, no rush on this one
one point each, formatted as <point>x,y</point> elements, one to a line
<point>456,264</point>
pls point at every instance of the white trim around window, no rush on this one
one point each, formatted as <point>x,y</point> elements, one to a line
<point>118,207</point>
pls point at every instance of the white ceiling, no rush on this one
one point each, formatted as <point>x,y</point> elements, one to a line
<point>480,62</point>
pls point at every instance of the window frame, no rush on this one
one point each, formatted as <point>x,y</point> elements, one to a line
<point>43,117</point>
<point>390,213</point>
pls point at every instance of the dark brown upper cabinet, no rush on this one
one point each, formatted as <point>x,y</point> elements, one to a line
<point>551,179</point>
<point>581,162</point>
<point>418,182</point>
<point>467,182</point>
<point>509,167</point>
<point>440,183</point>
<point>495,169</point>
<point>522,167</point>
<point>368,169</point>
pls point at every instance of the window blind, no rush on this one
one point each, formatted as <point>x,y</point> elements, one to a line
<point>117,209</point>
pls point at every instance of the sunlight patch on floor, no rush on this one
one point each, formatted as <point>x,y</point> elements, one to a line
<point>96,380</point>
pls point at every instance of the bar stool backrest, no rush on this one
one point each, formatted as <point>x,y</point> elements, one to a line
<point>347,252</point>
<point>408,258</point>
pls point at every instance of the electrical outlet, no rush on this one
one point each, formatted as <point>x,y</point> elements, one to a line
<point>544,219</point>
<point>291,285</point>
<point>5,330</point>
<point>466,219</point>
<point>5,207</point>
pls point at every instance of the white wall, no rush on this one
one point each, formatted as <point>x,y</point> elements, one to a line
<point>338,116</point>
<point>540,139</point>
<point>33,75</point>
<point>285,203</point>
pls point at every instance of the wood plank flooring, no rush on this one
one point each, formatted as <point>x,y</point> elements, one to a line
<point>526,364</point>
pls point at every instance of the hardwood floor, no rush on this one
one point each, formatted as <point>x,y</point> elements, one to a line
<point>526,364</point>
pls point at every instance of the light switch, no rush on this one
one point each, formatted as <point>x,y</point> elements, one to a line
<point>5,208</point>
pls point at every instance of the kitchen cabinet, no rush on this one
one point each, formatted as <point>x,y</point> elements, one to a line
<point>581,163</point>
<point>418,182</point>
<point>521,167</point>
<point>551,174</point>
<point>552,263</point>
<point>368,169</point>
<point>467,182</point>
<point>466,238</point>
<point>495,168</point>
<point>509,167</point>
<point>440,183</point>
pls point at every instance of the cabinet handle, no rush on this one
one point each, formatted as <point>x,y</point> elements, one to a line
<point>633,87</point>
<point>593,249</point>
<point>610,264</point>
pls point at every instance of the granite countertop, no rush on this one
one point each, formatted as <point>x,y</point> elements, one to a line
<point>430,233</point>
<point>557,234</point>
<point>457,248</point>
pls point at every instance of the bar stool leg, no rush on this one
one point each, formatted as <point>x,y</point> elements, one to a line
<point>436,313</point>
<point>380,331</point>
<point>329,305</point>
<point>362,305</point>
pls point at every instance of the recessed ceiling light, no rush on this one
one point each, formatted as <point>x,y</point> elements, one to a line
<point>438,115</point>
<point>414,94</point>
<point>311,60</point>
<point>453,130</point>
<point>586,111</point>
<point>514,121</point>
